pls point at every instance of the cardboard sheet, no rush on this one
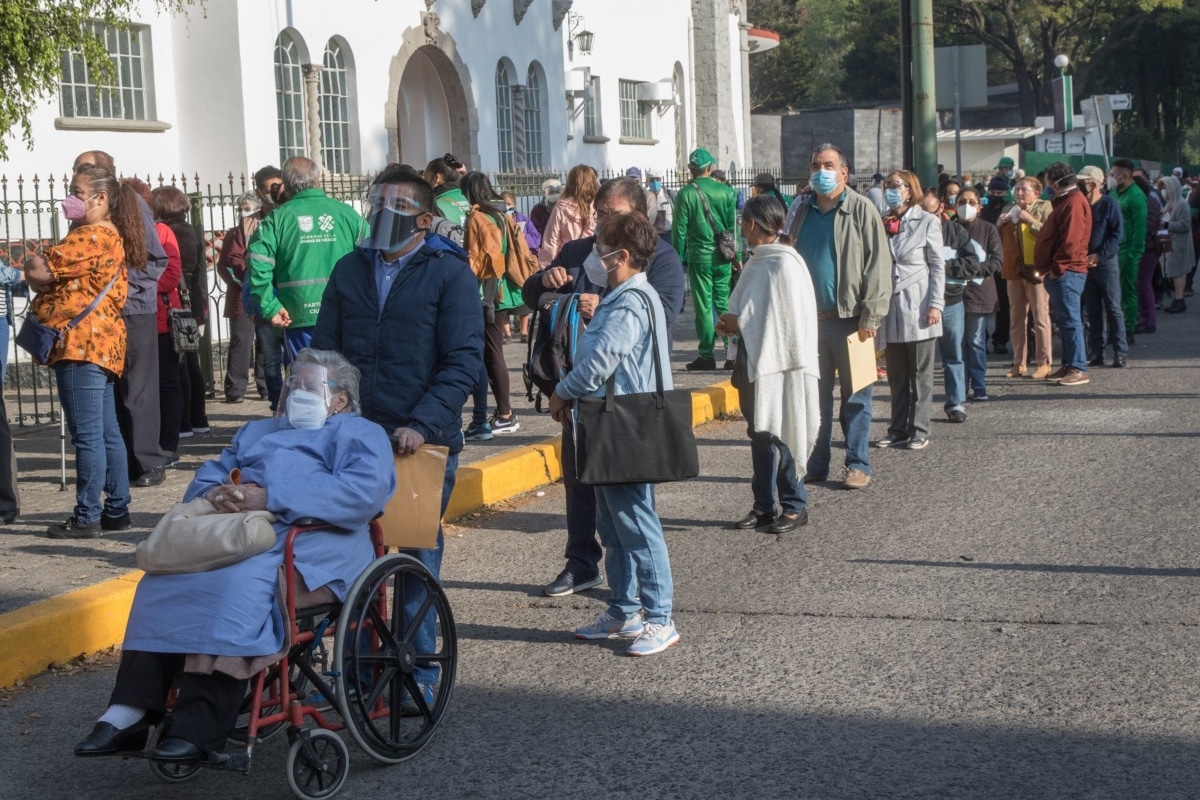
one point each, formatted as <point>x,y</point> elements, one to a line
<point>411,518</point>
<point>862,362</point>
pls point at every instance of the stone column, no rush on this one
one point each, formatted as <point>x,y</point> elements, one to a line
<point>518,127</point>
<point>312,116</point>
<point>713,59</point>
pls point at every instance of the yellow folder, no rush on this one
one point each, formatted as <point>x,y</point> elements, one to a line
<point>410,519</point>
<point>861,360</point>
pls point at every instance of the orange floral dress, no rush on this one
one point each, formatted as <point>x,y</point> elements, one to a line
<point>82,265</point>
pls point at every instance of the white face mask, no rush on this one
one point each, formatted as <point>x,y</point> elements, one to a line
<point>306,410</point>
<point>967,213</point>
<point>594,267</point>
<point>1112,183</point>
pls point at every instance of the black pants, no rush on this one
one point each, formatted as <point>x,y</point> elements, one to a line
<point>1000,335</point>
<point>191,379</point>
<point>137,395</point>
<point>237,368</point>
<point>206,707</point>
<point>170,394</point>
<point>910,379</point>
<point>10,497</point>
<point>583,546</point>
<point>493,360</point>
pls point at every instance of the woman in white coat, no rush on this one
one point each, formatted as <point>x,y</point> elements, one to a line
<point>1177,220</point>
<point>914,320</point>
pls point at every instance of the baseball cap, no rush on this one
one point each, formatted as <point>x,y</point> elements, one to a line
<point>997,184</point>
<point>1090,173</point>
<point>654,173</point>
<point>633,172</point>
<point>764,179</point>
<point>701,158</point>
<point>877,177</point>
<point>1006,162</point>
<point>1177,172</point>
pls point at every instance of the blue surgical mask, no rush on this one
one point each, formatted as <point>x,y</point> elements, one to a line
<point>893,198</point>
<point>656,186</point>
<point>824,181</point>
<point>952,200</point>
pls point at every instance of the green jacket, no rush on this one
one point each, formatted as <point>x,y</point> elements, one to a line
<point>1134,211</point>
<point>864,260</point>
<point>691,235</point>
<point>294,250</point>
<point>453,205</point>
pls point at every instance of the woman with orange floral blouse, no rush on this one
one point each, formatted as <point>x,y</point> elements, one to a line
<point>89,358</point>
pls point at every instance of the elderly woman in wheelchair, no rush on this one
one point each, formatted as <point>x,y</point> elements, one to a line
<point>205,634</point>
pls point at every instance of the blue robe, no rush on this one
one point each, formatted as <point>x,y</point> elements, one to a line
<point>343,473</point>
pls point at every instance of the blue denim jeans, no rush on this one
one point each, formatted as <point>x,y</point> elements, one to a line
<point>479,406</point>
<point>1065,298</point>
<point>855,415</point>
<point>975,336</point>
<point>295,340</point>
<point>635,552</point>
<point>425,640</point>
<point>775,471</point>
<point>88,399</point>
<point>954,369</point>
<point>1102,303</point>
<point>270,346</point>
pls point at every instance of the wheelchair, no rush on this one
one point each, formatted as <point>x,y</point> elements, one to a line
<point>349,666</point>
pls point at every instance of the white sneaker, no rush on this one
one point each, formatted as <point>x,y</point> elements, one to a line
<point>654,639</point>
<point>607,626</point>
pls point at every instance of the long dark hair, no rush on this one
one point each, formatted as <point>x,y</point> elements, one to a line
<point>479,192</point>
<point>123,209</point>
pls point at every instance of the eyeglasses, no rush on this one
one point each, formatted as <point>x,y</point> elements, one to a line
<point>896,184</point>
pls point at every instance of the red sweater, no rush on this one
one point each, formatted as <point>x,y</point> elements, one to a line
<point>168,282</point>
<point>1062,244</point>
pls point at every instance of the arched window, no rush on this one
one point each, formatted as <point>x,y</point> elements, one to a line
<point>289,98</point>
<point>533,118</point>
<point>336,149</point>
<point>504,118</point>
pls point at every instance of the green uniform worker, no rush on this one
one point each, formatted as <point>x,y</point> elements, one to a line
<point>452,203</point>
<point>1134,211</point>
<point>696,242</point>
<point>1007,168</point>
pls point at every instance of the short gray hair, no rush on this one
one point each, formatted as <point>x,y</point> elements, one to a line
<point>249,198</point>
<point>300,173</point>
<point>821,148</point>
<point>341,374</point>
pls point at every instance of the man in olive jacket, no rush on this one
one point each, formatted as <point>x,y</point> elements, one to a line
<point>841,237</point>
<point>696,242</point>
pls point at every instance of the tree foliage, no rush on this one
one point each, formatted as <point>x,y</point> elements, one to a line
<point>806,68</point>
<point>34,35</point>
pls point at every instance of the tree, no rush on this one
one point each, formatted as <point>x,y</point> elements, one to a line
<point>806,68</point>
<point>34,39</point>
<point>871,68</point>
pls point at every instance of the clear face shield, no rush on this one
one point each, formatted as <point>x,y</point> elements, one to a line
<point>308,397</point>
<point>390,220</point>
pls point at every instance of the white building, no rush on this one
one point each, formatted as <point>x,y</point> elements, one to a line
<point>507,85</point>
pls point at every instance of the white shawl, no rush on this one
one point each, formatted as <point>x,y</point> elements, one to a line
<point>776,309</point>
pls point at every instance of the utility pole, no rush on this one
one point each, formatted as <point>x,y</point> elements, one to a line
<point>906,89</point>
<point>924,119</point>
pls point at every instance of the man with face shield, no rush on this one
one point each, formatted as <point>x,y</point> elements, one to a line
<point>403,307</point>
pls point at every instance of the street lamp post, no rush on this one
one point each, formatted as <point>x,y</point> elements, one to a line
<point>1063,97</point>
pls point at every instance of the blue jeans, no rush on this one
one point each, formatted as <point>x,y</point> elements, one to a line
<point>775,470</point>
<point>479,413</point>
<point>954,370</point>
<point>425,640</point>
<point>635,552</point>
<point>295,340</point>
<point>1065,299</point>
<point>87,396</point>
<point>855,415</point>
<point>975,338</point>
<point>1102,300</point>
<point>271,349</point>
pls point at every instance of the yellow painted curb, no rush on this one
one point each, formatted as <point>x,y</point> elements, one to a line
<point>91,619</point>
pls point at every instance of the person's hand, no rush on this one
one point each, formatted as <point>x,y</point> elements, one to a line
<point>408,441</point>
<point>555,278</point>
<point>1005,219</point>
<point>933,316</point>
<point>727,325</point>
<point>282,319</point>
<point>231,499</point>
<point>588,304</point>
<point>560,409</point>
<point>1093,260</point>
<point>1026,217</point>
<point>865,333</point>
<point>736,264</point>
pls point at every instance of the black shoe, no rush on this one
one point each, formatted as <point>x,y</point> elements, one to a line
<point>702,365</point>
<point>71,529</point>
<point>152,477</point>
<point>9,518</point>
<point>1001,348</point>
<point>1129,337</point>
<point>810,478</point>
<point>1176,307</point>
<point>566,583</point>
<point>235,400</point>
<point>120,523</point>
<point>176,751</point>
<point>786,524</point>
<point>1144,329</point>
<point>1097,361</point>
<point>1118,361</point>
<point>753,520</point>
<point>106,740</point>
<point>729,365</point>
<point>956,415</point>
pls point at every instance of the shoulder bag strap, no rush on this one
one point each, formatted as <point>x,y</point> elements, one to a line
<point>712,223</point>
<point>610,386</point>
<point>92,305</point>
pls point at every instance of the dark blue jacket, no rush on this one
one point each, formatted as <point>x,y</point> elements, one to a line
<point>421,357</point>
<point>1107,229</point>
<point>665,274</point>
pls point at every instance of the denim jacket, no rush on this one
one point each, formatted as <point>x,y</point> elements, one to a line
<point>617,341</point>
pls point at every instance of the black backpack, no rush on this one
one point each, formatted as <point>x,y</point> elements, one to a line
<point>555,328</point>
<point>448,230</point>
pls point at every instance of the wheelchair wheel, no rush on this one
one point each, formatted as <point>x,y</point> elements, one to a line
<point>317,764</point>
<point>395,655</point>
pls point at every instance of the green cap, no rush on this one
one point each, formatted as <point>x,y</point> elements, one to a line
<point>701,158</point>
<point>1006,162</point>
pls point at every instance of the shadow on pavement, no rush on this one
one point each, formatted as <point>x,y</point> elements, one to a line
<point>1080,569</point>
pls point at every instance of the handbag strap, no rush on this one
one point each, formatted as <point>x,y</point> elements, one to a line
<point>712,223</point>
<point>92,305</point>
<point>610,386</point>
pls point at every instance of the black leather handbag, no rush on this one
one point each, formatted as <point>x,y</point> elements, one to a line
<point>636,438</point>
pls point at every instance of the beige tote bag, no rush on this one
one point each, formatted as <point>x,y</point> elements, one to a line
<point>193,537</point>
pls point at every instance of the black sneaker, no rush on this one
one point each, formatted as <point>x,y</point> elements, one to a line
<point>954,415</point>
<point>729,365</point>
<point>1176,307</point>
<point>120,523</point>
<point>566,583</point>
<point>72,529</point>
<point>702,365</point>
<point>1096,361</point>
<point>917,443</point>
<point>500,425</point>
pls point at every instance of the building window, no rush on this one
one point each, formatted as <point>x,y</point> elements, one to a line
<point>335,111</point>
<point>591,108</point>
<point>130,97</point>
<point>635,122</point>
<point>289,98</point>
<point>504,118</point>
<point>533,119</point>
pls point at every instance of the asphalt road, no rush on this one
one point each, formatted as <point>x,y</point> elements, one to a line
<point>1010,613</point>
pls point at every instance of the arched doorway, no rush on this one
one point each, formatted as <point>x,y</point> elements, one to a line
<point>430,108</point>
